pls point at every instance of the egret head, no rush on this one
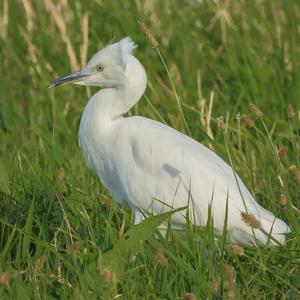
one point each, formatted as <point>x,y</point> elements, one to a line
<point>105,69</point>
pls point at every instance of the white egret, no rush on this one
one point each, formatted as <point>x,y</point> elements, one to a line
<point>154,167</point>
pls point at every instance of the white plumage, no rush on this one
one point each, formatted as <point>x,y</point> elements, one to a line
<point>152,166</point>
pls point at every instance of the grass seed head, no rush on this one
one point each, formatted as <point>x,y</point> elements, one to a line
<point>214,286</point>
<point>250,123</point>
<point>254,292</point>
<point>296,173</point>
<point>149,36</point>
<point>108,276</point>
<point>238,250</point>
<point>250,220</point>
<point>282,151</point>
<point>290,111</point>
<point>282,200</point>
<point>61,174</point>
<point>105,275</point>
<point>189,296</point>
<point>221,123</point>
<point>161,258</point>
<point>256,111</point>
<point>39,264</point>
<point>4,279</point>
<point>74,249</point>
<point>229,276</point>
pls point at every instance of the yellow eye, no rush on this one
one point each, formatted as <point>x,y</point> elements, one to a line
<point>99,68</point>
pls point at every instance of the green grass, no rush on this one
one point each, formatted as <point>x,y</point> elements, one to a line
<point>56,220</point>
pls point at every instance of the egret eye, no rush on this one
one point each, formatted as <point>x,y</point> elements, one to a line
<point>99,68</point>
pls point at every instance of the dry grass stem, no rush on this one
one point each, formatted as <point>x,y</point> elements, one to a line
<point>85,39</point>
<point>62,27</point>
<point>256,111</point>
<point>27,35</point>
<point>149,36</point>
<point>239,132</point>
<point>122,228</point>
<point>208,116</point>
<point>222,14</point>
<point>4,20</point>
<point>31,50</point>
<point>250,220</point>
<point>29,15</point>
<point>205,115</point>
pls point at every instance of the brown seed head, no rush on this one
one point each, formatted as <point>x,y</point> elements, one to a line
<point>221,123</point>
<point>282,151</point>
<point>161,258</point>
<point>238,250</point>
<point>282,200</point>
<point>39,264</point>
<point>256,111</point>
<point>4,279</point>
<point>296,173</point>
<point>229,272</point>
<point>105,275</point>
<point>290,111</point>
<point>61,174</point>
<point>189,296</point>
<point>149,36</point>
<point>254,292</point>
<point>250,220</point>
<point>75,248</point>
<point>214,286</point>
<point>108,276</point>
<point>229,276</point>
<point>250,123</point>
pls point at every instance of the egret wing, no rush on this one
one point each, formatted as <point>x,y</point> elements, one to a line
<point>175,170</point>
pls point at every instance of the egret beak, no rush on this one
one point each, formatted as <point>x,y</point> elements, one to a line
<point>73,78</point>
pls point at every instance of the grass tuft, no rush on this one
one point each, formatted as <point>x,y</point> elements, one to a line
<point>214,59</point>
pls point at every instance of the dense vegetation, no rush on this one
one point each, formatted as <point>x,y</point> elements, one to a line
<point>56,220</point>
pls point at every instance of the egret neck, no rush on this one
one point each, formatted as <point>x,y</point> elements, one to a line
<point>111,103</point>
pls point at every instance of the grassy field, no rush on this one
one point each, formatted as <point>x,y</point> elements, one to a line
<point>56,220</point>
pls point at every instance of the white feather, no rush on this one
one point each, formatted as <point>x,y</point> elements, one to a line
<point>147,163</point>
<point>127,46</point>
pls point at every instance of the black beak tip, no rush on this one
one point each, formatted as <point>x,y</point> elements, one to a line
<point>51,85</point>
